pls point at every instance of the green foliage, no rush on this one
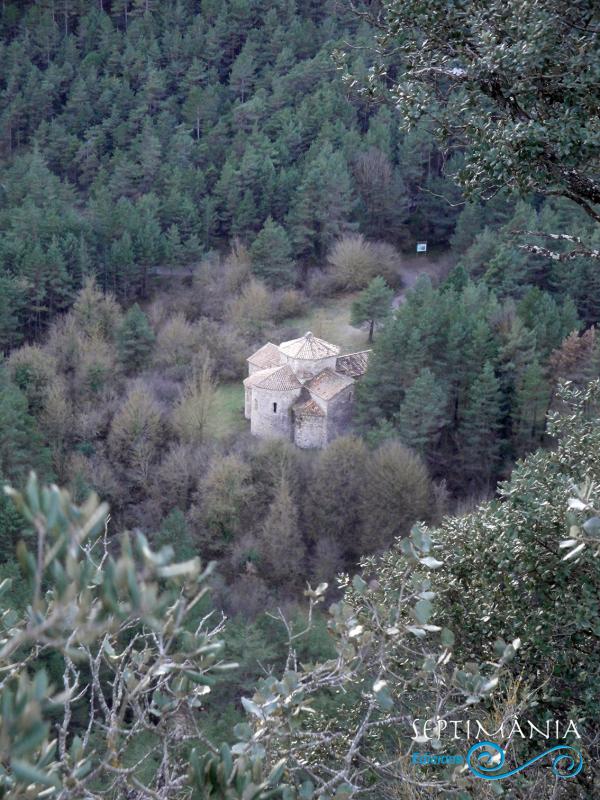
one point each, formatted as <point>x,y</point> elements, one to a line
<point>480,425</point>
<point>21,443</point>
<point>397,492</point>
<point>506,558</point>
<point>391,660</point>
<point>336,490</point>
<point>463,377</point>
<point>272,256</point>
<point>122,618</point>
<point>135,339</point>
<point>11,527</point>
<point>520,132</point>
<point>373,305</point>
<point>423,413</point>
<point>323,204</point>
<point>140,135</point>
<point>175,533</point>
<point>227,492</point>
<point>355,262</point>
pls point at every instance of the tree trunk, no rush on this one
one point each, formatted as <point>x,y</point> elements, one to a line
<point>371,329</point>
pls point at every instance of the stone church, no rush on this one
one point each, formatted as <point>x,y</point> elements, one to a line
<point>302,390</point>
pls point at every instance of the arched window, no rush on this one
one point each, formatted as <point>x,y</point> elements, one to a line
<point>274,408</point>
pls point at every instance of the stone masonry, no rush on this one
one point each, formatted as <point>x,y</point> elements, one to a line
<point>302,390</point>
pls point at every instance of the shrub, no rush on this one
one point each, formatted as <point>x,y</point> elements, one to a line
<point>321,284</point>
<point>227,348</point>
<point>252,311</point>
<point>176,476</point>
<point>336,490</point>
<point>57,422</point>
<point>33,371</point>
<point>281,547</point>
<point>96,368</point>
<point>177,342</point>
<point>217,280</point>
<point>191,414</point>
<point>95,313</point>
<point>354,262</point>
<point>226,496</point>
<point>135,433</point>
<point>122,633</point>
<point>397,493</point>
<point>290,303</point>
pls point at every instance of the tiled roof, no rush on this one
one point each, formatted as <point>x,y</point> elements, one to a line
<point>267,356</point>
<point>308,408</point>
<point>354,364</point>
<point>308,347</point>
<point>328,383</point>
<point>278,379</point>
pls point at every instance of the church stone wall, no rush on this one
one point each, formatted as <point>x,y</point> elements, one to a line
<point>269,423</point>
<point>310,432</point>
<point>339,414</point>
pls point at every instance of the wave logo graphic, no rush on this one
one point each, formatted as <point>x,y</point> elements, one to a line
<point>486,760</point>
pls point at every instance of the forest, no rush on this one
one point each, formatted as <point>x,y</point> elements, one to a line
<point>198,613</point>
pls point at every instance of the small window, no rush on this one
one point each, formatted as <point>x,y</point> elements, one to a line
<point>274,408</point>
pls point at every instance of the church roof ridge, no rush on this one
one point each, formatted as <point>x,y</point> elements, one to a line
<point>266,356</point>
<point>308,347</point>
<point>279,378</point>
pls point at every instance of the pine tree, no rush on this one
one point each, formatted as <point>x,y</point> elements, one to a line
<point>271,255</point>
<point>482,250</point>
<point>135,339</point>
<point>532,399</point>
<point>423,413</point>
<point>12,301</point>
<point>11,527</point>
<point>323,204</point>
<point>173,247</point>
<point>506,270</point>
<point>193,109</point>
<point>468,225</point>
<point>121,10</point>
<point>551,320</point>
<point>21,445</point>
<point>589,290</point>
<point>373,305</point>
<point>143,7</point>
<point>479,440</point>
<point>243,71</point>
<point>59,282</point>
<point>125,271</point>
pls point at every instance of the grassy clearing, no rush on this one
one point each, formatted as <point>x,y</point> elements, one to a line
<point>226,416</point>
<point>331,321</point>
